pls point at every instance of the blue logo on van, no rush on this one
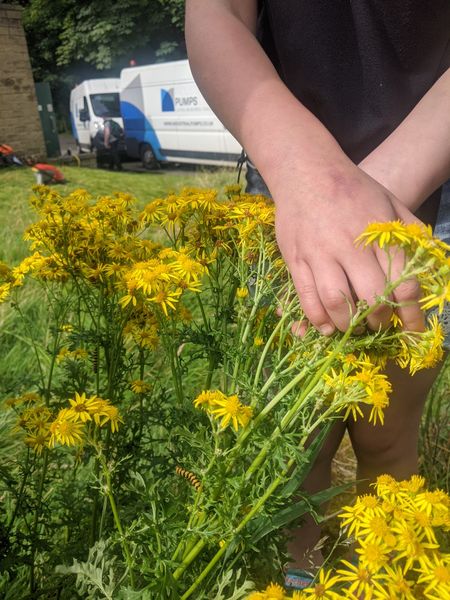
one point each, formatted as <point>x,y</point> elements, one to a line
<point>167,102</point>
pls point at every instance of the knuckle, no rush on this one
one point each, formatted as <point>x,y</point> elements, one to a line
<point>307,292</point>
<point>333,299</point>
<point>408,290</point>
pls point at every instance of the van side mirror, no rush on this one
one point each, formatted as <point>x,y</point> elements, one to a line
<point>84,115</point>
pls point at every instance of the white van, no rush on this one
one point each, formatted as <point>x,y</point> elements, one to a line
<point>166,118</point>
<point>90,103</point>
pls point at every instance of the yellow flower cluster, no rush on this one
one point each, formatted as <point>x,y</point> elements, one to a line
<point>274,592</point>
<point>227,408</point>
<point>397,548</point>
<point>162,280</point>
<point>105,242</point>
<point>138,386</point>
<point>209,227</point>
<point>34,419</point>
<point>77,354</point>
<point>417,240</point>
<point>142,328</point>
<point>67,428</point>
<point>322,589</point>
<point>7,281</point>
<point>358,381</point>
<point>44,430</point>
<point>395,532</point>
<point>421,350</point>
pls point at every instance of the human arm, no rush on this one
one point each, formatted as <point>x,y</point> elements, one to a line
<point>107,135</point>
<point>323,201</point>
<point>415,159</point>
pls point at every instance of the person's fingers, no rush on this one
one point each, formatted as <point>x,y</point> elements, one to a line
<point>368,287</point>
<point>335,293</point>
<point>325,295</point>
<point>299,328</point>
<point>407,294</point>
<point>283,303</point>
<point>309,298</point>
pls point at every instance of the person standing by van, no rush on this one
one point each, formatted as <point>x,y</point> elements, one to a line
<point>107,144</point>
<point>343,108</point>
<point>112,137</point>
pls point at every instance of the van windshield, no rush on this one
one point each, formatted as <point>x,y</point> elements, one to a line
<point>105,105</point>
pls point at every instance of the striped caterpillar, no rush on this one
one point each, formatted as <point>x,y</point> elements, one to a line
<point>94,359</point>
<point>193,480</point>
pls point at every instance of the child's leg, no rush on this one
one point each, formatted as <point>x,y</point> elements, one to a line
<point>305,537</point>
<point>392,448</point>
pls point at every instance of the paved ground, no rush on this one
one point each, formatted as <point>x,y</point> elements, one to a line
<point>67,142</point>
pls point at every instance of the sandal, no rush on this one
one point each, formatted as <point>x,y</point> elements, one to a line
<point>297,579</point>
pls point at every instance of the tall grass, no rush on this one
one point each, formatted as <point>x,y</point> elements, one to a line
<point>435,428</point>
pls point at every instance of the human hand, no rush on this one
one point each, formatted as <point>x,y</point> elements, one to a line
<point>316,232</point>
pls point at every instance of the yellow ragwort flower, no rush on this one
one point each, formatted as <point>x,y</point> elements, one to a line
<point>107,413</point>
<point>139,387</point>
<point>230,410</point>
<point>64,430</point>
<point>241,293</point>
<point>82,408</point>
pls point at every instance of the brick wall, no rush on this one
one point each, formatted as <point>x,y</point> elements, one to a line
<point>20,125</point>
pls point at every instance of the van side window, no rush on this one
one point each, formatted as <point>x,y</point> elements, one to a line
<point>85,104</point>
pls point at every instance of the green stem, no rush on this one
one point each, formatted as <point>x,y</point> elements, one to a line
<point>36,520</point>
<point>33,343</point>
<point>266,349</point>
<point>189,558</point>
<point>26,472</point>
<point>115,512</point>
<point>202,310</point>
<point>270,490</point>
<point>193,515</point>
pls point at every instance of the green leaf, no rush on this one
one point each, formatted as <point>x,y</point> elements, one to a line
<point>262,526</point>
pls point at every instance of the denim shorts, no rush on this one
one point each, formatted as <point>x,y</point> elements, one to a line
<point>442,231</point>
<point>257,185</point>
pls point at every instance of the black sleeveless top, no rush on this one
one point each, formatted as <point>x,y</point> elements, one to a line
<point>359,65</point>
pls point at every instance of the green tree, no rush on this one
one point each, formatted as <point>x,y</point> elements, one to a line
<point>100,33</point>
<point>71,40</point>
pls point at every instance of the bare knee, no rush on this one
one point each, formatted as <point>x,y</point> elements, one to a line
<point>381,448</point>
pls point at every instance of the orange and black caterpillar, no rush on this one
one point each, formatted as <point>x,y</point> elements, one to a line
<point>94,358</point>
<point>193,480</point>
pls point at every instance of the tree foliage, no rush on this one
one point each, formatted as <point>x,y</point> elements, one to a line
<point>72,40</point>
<point>101,34</point>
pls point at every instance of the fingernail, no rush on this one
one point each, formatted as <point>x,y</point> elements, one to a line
<point>326,329</point>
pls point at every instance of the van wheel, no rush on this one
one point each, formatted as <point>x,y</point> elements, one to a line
<point>148,157</point>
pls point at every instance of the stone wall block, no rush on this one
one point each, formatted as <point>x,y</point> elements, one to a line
<point>20,125</point>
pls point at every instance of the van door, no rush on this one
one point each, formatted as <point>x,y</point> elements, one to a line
<point>200,134</point>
